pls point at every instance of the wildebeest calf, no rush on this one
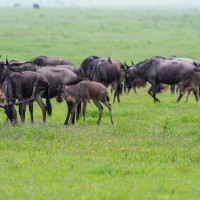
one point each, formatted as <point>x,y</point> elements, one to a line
<point>83,92</point>
<point>190,85</point>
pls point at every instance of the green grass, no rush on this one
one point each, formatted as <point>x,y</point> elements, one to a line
<point>152,150</point>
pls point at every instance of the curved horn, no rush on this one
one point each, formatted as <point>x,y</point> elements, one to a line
<point>126,64</point>
<point>132,62</point>
<point>109,60</point>
<point>6,60</point>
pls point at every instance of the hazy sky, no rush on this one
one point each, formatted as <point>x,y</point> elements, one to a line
<point>191,3</point>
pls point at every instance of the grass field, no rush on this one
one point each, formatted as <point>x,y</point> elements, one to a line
<point>151,152</point>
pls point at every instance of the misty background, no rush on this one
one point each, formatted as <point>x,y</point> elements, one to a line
<point>102,3</point>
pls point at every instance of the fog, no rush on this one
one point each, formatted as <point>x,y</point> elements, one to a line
<point>103,3</point>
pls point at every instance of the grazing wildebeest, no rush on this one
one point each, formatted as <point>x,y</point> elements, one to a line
<point>5,70</point>
<point>160,70</point>
<point>104,70</point>
<point>190,85</point>
<point>83,92</point>
<point>44,60</point>
<point>137,83</point>
<point>26,84</point>
<point>30,66</point>
<point>57,76</point>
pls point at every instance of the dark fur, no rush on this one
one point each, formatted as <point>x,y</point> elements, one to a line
<point>44,61</point>
<point>104,70</point>
<point>160,70</point>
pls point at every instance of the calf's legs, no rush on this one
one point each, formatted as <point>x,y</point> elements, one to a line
<point>100,107</point>
<point>108,105</point>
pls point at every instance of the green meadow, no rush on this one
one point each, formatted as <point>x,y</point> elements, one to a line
<point>151,152</point>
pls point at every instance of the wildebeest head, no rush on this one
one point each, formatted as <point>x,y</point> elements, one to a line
<point>10,112</point>
<point>183,86</point>
<point>60,95</point>
<point>130,75</point>
<point>2,65</point>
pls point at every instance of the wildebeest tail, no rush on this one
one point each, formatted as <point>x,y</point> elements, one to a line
<point>48,103</point>
<point>119,88</point>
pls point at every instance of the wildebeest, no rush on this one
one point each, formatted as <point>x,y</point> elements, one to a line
<point>190,85</point>
<point>137,83</point>
<point>83,92</point>
<point>55,74</point>
<point>26,84</point>
<point>44,60</point>
<point>160,70</point>
<point>188,60</point>
<point>104,70</point>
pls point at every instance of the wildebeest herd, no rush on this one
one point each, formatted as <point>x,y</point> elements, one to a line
<point>23,83</point>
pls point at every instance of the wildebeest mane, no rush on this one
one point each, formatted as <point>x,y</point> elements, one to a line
<point>145,65</point>
<point>87,61</point>
<point>8,91</point>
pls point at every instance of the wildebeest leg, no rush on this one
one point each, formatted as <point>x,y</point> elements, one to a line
<point>177,89</point>
<point>172,88</point>
<point>22,111</point>
<point>69,107</point>
<point>84,110</point>
<point>125,88</point>
<point>114,86</point>
<point>31,112</point>
<point>196,93</point>
<point>117,90</point>
<point>108,105</point>
<point>73,110</point>
<point>116,94</point>
<point>100,107</point>
<point>152,92</point>
<point>180,95</point>
<point>188,94</point>
<point>42,106</point>
<point>134,88</point>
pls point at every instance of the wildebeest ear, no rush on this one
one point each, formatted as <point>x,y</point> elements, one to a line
<point>132,62</point>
